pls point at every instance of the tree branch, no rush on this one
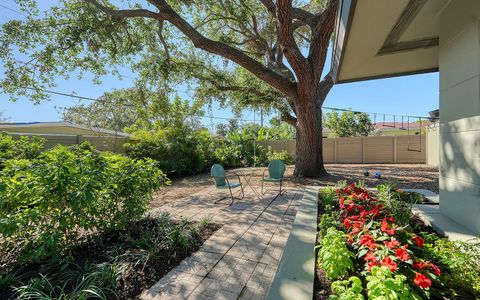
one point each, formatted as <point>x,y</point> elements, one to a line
<point>288,118</point>
<point>165,12</point>
<point>321,33</point>
<point>162,39</point>
<point>325,86</point>
<point>124,13</point>
<point>302,15</point>
<point>287,41</point>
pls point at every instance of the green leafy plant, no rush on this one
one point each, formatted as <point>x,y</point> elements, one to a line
<point>45,203</point>
<point>100,267</point>
<point>327,220</point>
<point>398,202</point>
<point>463,260</point>
<point>179,150</point>
<point>204,223</point>
<point>334,257</point>
<point>9,279</point>
<point>282,155</point>
<point>381,284</point>
<point>21,148</point>
<point>328,195</point>
<point>350,289</point>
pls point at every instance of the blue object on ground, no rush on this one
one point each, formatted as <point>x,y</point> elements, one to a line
<point>377,175</point>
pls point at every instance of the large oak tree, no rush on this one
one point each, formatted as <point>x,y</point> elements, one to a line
<point>247,52</point>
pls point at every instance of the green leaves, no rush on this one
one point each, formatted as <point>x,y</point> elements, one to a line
<point>334,257</point>
<point>22,148</point>
<point>383,285</point>
<point>49,201</point>
<point>348,123</point>
<point>350,289</point>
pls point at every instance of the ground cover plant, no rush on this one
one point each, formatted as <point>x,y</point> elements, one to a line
<point>371,247</point>
<point>118,264</point>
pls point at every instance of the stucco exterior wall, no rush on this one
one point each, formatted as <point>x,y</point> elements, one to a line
<point>433,145</point>
<point>459,62</point>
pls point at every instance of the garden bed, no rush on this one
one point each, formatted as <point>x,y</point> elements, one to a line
<point>113,265</point>
<point>370,246</point>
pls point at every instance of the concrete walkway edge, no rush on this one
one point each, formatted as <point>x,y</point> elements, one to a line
<point>295,273</point>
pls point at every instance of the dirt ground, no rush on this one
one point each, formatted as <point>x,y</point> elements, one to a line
<point>406,176</point>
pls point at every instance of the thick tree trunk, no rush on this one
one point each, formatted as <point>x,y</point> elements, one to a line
<point>309,152</point>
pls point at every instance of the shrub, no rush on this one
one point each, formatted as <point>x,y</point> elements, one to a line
<point>282,155</point>
<point>243,150</point>
<point>178,150</point>
<point>48,202</point>
<point>22,148</point>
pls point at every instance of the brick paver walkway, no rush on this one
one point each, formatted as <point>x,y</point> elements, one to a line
<point>239,260</point>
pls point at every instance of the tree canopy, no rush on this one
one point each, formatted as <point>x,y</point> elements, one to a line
<point>348,123</point>
<point>246,53</point>
<point>157,41</point>
<point>135,109</point>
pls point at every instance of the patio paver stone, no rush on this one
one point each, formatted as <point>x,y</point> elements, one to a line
<point>239,260</point>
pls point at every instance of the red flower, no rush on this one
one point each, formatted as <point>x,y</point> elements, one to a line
<point>392,244</point>
<point>357,227</point>
<point>370,257</point>
<point>420,265</point>
<point>367,240</point>
<point>347,223</point>
<point>385,227</point>
<point>418,240</point>
<point>422,281</point>
<point>402,253</point>
<point>389,263</point>
<point>435,269</point>
<point>341,202</point>
<point>363,196</point>
<point>372,264</point>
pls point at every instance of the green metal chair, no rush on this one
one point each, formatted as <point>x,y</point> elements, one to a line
<point>276,169</point>
<point>221,182</point>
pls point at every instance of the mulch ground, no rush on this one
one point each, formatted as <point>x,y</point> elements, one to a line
<point>136,277</point>
<point>413,176</point>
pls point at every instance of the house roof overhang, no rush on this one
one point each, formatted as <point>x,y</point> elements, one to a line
<point>377,38</point>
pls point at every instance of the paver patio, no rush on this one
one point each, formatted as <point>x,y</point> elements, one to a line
<point>239,260</point>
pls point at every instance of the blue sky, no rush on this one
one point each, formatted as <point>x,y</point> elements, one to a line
<point>408,95</point>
